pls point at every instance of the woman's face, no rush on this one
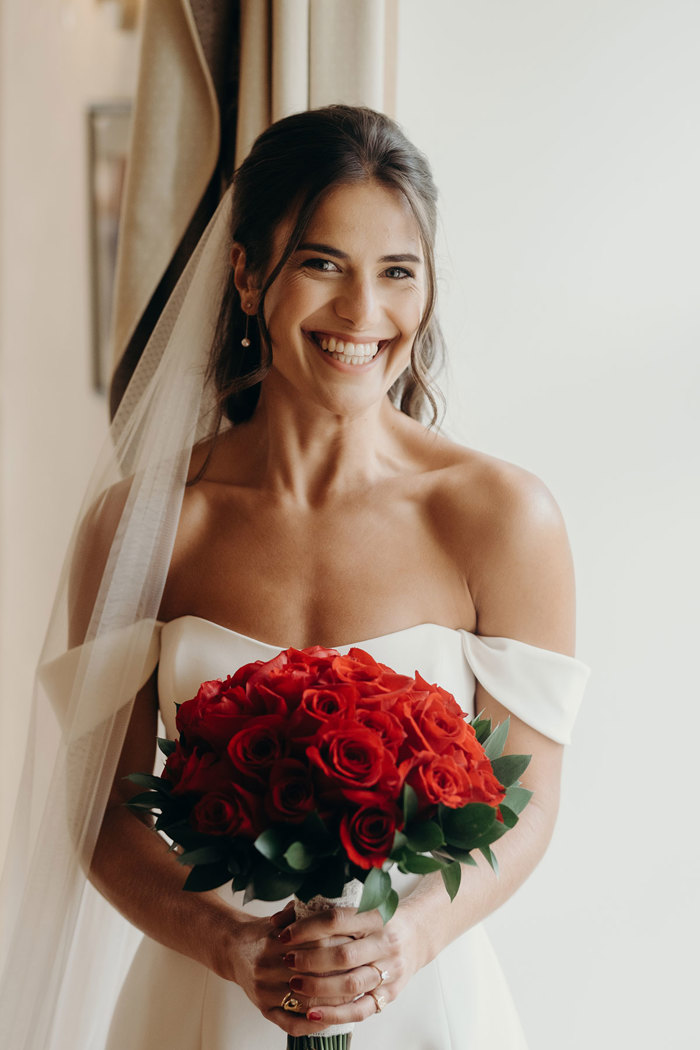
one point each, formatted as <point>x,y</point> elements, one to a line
<point>344,311</point>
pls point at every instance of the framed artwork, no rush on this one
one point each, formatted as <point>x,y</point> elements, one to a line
<point>108,143</point>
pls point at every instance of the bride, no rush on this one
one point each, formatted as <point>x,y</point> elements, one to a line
<point>271,482</point>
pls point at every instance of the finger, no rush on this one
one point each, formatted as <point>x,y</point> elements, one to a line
<point>333,959</point>
<point>284,917</point>
<point>337,988</point>
<point>333,922</point>
<point>359,1010</point>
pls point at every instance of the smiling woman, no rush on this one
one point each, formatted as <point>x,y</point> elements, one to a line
<point>270,482</point>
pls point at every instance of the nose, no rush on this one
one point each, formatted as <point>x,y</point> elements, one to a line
<point>357,302</point>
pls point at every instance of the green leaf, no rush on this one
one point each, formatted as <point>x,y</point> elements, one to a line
<point>203,855</point>
<point>509,768</point>
<point>398,846</point>
<point>418,864</point>
<point>298,857</point>
<point>496,741</point>
<point>516,798</point>
<point>452,876</point>
<point>388,906</point>
<point>316,836</point>
<point>481,727</point>
<point>490,857</point>
<point>462,855</point>
<point>270,884</point>
<point>165,745</point>
<point>272,844</point>
<point>376,889</point>
<point>410,804</point>
<point>466,826</point>
<point>207,877</point>
<point>425,836</point>
<point>147,780</point>
<point>510,819</point>
<point>147,800</point>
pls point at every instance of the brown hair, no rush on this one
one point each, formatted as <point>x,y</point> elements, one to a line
<point>291,165</point>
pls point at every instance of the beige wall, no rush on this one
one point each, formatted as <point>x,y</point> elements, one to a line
<point>564,137</point>
<point>56,57</point>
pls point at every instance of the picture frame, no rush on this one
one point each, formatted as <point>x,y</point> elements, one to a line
<point>108,131</point>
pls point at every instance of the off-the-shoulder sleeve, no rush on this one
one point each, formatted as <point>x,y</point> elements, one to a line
<point>540,687</point>
<point>89,683</point>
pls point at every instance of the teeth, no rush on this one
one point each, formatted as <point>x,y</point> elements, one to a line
<point>348,353</point>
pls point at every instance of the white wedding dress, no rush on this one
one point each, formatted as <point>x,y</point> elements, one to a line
<point>460,1001</point>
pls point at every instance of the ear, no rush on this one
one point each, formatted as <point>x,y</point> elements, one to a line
<point>246,284</point>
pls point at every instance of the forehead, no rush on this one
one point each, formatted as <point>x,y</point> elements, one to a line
<point>368,213</point>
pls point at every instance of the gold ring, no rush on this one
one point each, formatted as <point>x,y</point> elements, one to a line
<point>292,1004</point>
<point>383,975</point>
<point>379,1001</point>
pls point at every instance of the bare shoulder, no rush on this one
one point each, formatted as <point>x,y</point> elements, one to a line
<point>506,534</point>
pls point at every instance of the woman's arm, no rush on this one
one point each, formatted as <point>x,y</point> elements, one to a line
<point>521,579</point>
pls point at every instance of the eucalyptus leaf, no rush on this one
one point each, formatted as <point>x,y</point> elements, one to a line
<point>166,746</point>
<point>270,884</point>
<point>376,889</point>
<point>496,741</point>
<point>425,836</point>
<point>203,855</point>
<point>298,857</point>
<point>462,855</point>
<point>272,844</point>
<point>418,864</point>
<point>510,819</point>
<point>517,798</point>
<point>488,854</point>
<point>146,801</point>
<point>398,846</point>
<point>452,876</point>
<point>464,827</point>
<point>147,780</point>
<point>509,768</point>
<point>410,804</point>
<point>207,877</point>
<point>388,906</point>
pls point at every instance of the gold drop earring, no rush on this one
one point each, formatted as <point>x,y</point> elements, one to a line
<point>245,341</point>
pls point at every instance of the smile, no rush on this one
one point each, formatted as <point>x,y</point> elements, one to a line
<point>348,353</point>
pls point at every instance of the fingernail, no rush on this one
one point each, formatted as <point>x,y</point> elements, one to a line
<point>296,984</point>
<point>288,960</point>
<point>285,935</point>
<point>315,1015</point>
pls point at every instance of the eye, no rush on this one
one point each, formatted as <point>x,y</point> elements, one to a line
<point>398,273</point>
<point>320,265</point>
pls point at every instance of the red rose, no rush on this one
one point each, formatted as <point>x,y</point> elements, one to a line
<point>256,747</point>
<point>368,833</point>
<point>447,779</point>
<point>199,773</point>
<point>321,705</point>
<point>369,676</point>
<point>387,727</point>
<point>218,710</point>
<point>431,724</point>
<point>350,755</point>
<point>290,797</point>
<point>234,813</point>
<point>285,677</point>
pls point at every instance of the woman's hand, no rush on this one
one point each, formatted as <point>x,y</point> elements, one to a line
<point>342,966</point>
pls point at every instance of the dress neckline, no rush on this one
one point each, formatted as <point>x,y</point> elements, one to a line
<point>456,631</point>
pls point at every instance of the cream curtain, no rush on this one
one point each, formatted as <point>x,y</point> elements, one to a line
<point>211,78</point>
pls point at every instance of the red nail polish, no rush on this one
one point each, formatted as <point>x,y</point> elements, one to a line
<point>285,935</point>
<point>315,1015</point>
<point>288,960</point>
<point>296,984</point>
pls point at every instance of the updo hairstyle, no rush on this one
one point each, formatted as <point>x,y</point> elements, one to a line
<point>291,165</point>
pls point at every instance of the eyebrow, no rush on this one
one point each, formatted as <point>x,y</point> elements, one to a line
<point>326,249</point>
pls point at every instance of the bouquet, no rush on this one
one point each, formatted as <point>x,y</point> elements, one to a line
<point>314,771</point>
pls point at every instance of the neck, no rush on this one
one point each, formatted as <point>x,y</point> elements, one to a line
<point>312,454</point>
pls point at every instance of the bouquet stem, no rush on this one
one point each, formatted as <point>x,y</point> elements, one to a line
<point>319,1042</point>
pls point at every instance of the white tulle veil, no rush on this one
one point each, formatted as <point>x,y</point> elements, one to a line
<point>64,949</point>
